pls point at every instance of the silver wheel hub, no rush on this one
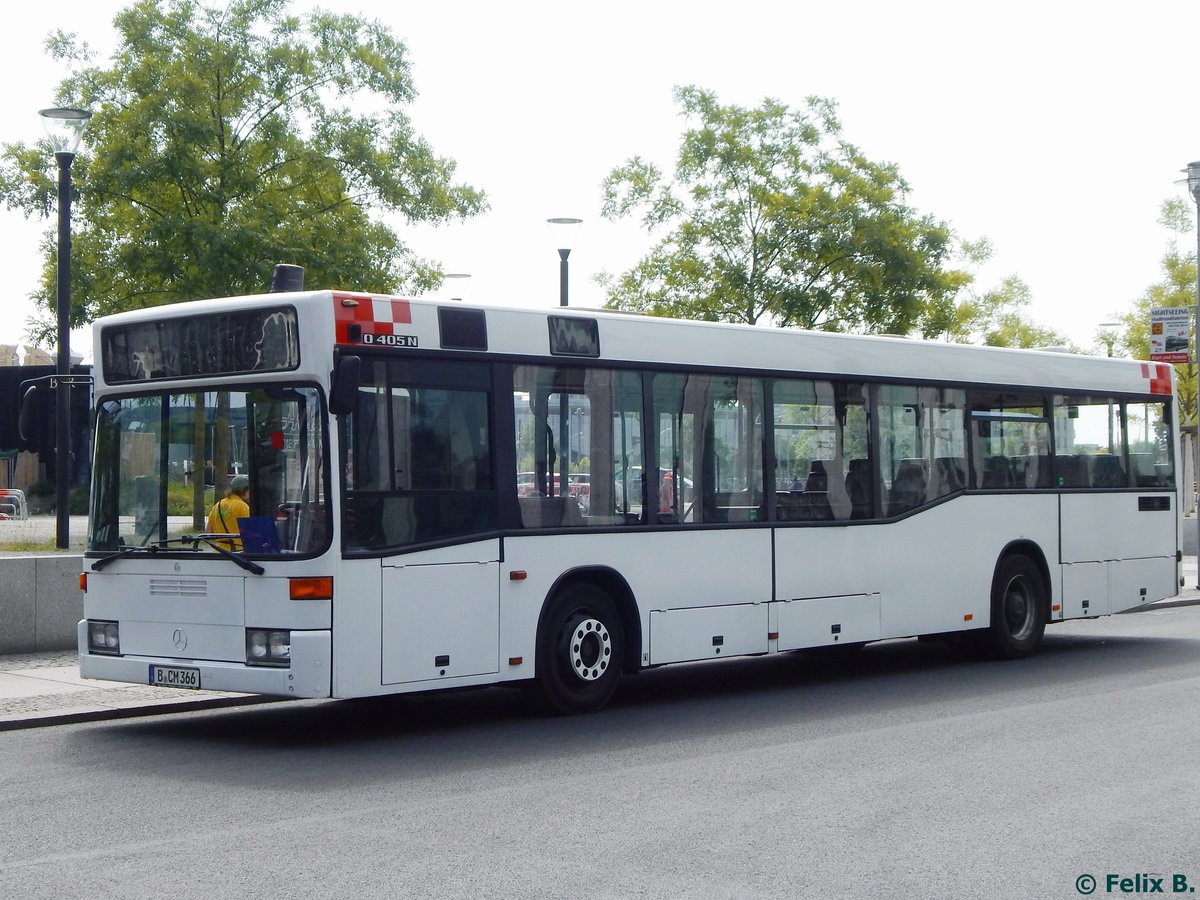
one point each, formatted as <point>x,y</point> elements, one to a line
<point>1018,609</point>
<point>590,649</point>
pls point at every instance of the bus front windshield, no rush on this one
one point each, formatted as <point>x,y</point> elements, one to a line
<point>165,459</point>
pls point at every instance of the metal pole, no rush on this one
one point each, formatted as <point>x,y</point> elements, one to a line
<point>1195,188</point>
<point>564,466</point>
<point>62,400</point>
<point>563,253</point>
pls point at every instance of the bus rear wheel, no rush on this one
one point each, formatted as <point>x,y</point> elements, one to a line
<point>1018,608</point>
<point>579,651</point>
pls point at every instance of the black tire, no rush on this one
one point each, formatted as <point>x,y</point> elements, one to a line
<point>1018,609</point>
<point>579,650</point>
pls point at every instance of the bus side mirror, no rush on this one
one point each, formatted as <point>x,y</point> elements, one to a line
<point>27,417</point>
<point>346,378</point>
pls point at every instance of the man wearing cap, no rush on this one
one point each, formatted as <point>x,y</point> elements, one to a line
<point>222,518</point>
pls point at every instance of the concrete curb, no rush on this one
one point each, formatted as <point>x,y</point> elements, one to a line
<point>69,717</point>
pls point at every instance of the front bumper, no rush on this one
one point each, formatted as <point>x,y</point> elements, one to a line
<point>309,676</point>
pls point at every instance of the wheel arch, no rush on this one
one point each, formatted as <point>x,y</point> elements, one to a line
<point>617,588</point>
<point>1034,552</point>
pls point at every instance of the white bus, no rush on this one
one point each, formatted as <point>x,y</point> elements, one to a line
<point>446,495</point>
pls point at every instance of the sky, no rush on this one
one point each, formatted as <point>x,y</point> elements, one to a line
<point>1054,129</point>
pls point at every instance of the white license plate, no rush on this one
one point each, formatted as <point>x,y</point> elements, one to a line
<point>175,676</point>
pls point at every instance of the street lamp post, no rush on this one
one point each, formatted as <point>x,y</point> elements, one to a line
<point>563,228</point>
<point>64,128</point>
<point>1193,186</point>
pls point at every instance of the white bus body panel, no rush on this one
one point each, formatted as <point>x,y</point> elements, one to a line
<point>393,612</point>
<point>441,619</point>
<point>925,586</point>
<point>677,635</point>
<point>665,570</point>
<point>1113,552</point>
<point>194,613</point>
<point>307,677</point>
<point>827,621</point>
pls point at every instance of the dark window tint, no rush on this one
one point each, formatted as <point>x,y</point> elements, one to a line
<point>419,462</point>
<point>462,329</point>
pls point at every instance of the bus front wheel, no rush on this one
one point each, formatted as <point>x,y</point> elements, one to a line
<point>579,650</point>
<point>1018,608</point>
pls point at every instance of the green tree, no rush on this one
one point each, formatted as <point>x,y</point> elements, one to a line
<point>770,214</point>
<point>227,138</point>
<point>1176,287</point>
<point>997,317</point>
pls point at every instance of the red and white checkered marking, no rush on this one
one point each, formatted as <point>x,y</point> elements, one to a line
<point>1159,376</point>
<point>374,315</point>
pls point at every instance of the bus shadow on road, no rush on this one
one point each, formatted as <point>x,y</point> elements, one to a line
<point>905,679</point>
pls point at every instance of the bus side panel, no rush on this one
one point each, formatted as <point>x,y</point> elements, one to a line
<point>665,570</point>
<point>390,614</point>
<point>440,621</point>
<point>1120,550</point>
<point>933,570</point>
<point>1098,527</point>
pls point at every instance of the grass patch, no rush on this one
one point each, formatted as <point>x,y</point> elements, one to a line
<point>28,546</point>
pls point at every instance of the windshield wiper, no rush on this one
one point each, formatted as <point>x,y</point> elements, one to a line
<point>129,551</point>
<point>192,539</point>
<point>237,558</point>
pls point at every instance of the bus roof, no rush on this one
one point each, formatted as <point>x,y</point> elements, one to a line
<point>625,338</point>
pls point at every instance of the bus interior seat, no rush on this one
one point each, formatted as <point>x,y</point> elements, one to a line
<point>1107,471</point>
<point>1143,468</point>
<point>1072,470</point>
<point>397,520</point>
<point>949,474</point>
<point>823,489</point>
<point>997,473</point>
<point>908,486</point>
<point>858,486</point>
<point>538,511</point>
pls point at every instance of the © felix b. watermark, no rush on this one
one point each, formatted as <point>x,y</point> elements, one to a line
<point>1134,884</point>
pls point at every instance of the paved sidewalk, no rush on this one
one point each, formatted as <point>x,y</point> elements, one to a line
<point>38,689</point>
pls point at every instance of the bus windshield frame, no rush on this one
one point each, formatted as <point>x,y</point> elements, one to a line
<point>147,492</point>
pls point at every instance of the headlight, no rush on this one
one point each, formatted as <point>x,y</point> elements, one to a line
<point>104,637</point>
<point>268,648</point>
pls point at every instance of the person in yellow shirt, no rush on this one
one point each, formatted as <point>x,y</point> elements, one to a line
<point>222,518</point>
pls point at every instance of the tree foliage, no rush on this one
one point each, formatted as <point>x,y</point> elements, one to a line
<point>996,318</point>
<point>770,214</point>
<point>228,138</point>
<point>1176,287</point>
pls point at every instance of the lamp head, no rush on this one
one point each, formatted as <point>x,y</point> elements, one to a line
<point>1193,178</point>
<point>64,127</point>
<point>563,229</point>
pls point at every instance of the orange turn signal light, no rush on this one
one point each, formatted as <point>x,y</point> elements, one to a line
<point>968,617</point>
<point>83,581</point>
<point>317,588</point>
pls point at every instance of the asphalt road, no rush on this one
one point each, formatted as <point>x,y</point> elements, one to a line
<point>899,772</point>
